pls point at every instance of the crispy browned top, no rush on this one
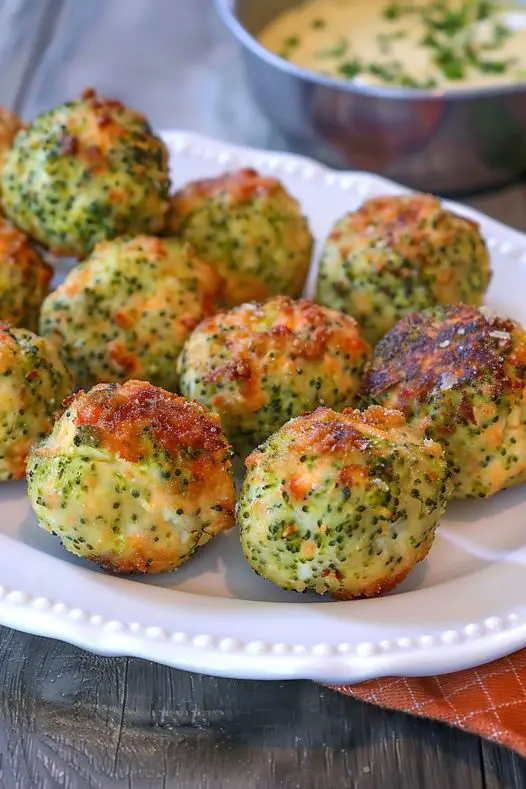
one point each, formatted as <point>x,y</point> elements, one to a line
<point>91,97</point>
<point>123,416</point>
<point>272,334</point>
<point>325,431</point>
<point>444,348</point>
<point>238,186</point>
<point>299,327</point>
<point>16,249</point>
<point>400,222</point>
<point>375,415</point>
<point>94,127</point>
<point>329,432</point>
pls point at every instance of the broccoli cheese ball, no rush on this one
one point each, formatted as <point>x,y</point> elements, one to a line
<point>24,278</point>
<point>250,229</point>
<point>133,478</point>
<point>399,254</point>
<point>342,503</point>
<point>88,170</point>
<point>259,365</point>
<point>33,384</point>
<point>126,311</point>
<point>10,124</point>
<point>458,373</point>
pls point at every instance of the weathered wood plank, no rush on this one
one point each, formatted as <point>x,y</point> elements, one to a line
<point>502,768</point>
<point>60,713</point>
<point>71,719</point>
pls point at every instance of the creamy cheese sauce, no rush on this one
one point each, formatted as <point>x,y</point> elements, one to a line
<point>438,44</point>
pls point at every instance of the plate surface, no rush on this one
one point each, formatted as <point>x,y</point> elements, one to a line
<point>465,605</point>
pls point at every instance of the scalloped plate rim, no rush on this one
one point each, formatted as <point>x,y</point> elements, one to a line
<point>412,649</point>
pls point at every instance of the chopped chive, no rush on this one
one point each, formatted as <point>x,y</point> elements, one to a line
<point>336,51</point>
<point>453,69</point>
<point>291,42</point>
<point>350,69</point>
<point>429,40</point>
<point>483,9</point>
<point>389,72</point>
<point>499,34</point>
<point>392,11</point>
<point>493,66</point>
<point>386,39</point>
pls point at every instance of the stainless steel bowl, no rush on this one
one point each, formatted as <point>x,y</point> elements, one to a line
<point>446,142</point>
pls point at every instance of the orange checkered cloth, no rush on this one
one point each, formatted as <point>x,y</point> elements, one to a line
<point>489,701</point>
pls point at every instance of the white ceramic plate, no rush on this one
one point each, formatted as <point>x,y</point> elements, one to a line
<point>464,606</point>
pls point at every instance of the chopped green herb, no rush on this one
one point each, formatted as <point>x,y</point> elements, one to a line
<point>336,51</point>
<point>389,72</point>
<point>410,82</point>
<point>471,55</point>
<point>450,22</point>
<point>350,69</point>
<point>494,66</point>
<point>392,11</point>
<point>427,84</point>
<point>291,42</point>
<point>450,64</point>
<point>386,39</point>
<point>318,24</point>
<point>377,70</point>
<point>289,45</point>
<point>429,40</point>
<point>484,9</point>
<point>499,34</point>
<point>395,10</point>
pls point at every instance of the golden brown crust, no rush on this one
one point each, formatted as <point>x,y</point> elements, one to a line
<point>353,474</point>
<point>238,186</point>
<point>123,415</point>
<point>143,556</point>
<point>98,158</point>
<point>10,124</point>
<point>281,329</point>
<point>300,328</point>
<point>138,329</point>
<point>16,249</point>
<point>89,136</point>
<point>375,415</point>
<point>327,431</point>
<point>402,222</point>
<point>460,342</point>
<point>381,586</point>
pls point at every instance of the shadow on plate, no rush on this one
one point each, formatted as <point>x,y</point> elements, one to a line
<point>473,535</point>
<point>473,510</point>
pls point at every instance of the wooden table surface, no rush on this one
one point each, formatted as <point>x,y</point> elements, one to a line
<point>74,720</point>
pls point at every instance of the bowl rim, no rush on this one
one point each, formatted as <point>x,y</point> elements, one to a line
<point>226,12</point>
